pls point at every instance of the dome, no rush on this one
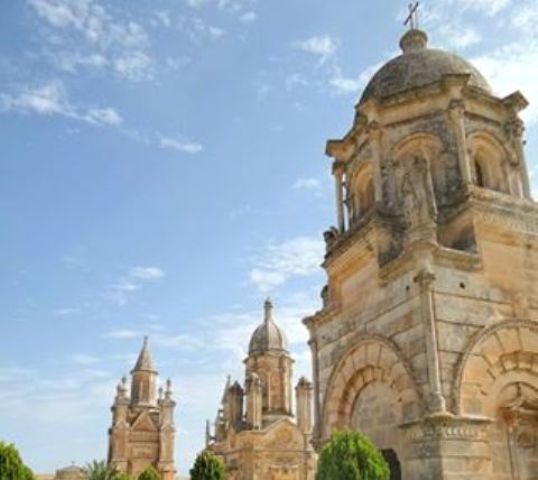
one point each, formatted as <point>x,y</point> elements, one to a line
<point>419,66</point>
<point>268,336</point>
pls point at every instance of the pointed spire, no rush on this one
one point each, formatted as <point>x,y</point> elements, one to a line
<point>226,388</point>
<point>268,310</point>
<point>144,361</point>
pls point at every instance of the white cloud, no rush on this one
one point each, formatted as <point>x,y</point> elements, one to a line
<point>83,33</point>
<point>514,66</point>
<point>104,116</point>
<point>299,256</point>
<point>179,146</point>
<point>147,273</point>
<point>84,359</point>
<point>309,183</point>
<point>248,17</point>
<point>134,66</point>
<point>50,99</point>
<point>457,36</point>
<point>123,334</point>
<point>323,46</point>
<point>163,17</point>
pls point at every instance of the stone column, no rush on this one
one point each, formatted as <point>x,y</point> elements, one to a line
<point>338,172</point>
<point>456,112</point>
<point>425,279</point>
<point>516,129</point>
<point>254,402</point>
<point>167,433</point>
<point>374,133</point>
<point>317,402</point>
<point>303,392</point>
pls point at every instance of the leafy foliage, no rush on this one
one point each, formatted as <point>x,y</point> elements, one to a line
<point>351,456</point>
<point>149,474</point>
<point>120,476</point>
<point>208,467</point>
<point>11,464</point>
<point>99,470</point>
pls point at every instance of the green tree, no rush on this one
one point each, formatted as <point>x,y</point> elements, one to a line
<point>99,470</point>
<point>149,474</point>
<point>208,467</point>
<point>351,456</point>
<point>11,464</point>
<point>120,476</point>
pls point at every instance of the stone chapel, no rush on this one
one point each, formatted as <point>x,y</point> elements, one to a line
<point>255,432</point>
<point>427,340</point>
<point>142,431</point>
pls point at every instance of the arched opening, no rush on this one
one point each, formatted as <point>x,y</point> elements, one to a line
<point>362,196</point>
<point>393,462</point>
<point>488,159</point>
<point>479,174</point>
<point>377,413</point>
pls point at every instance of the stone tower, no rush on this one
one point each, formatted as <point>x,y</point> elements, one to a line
<point>143,430</point>
<point>255,432</point>
<point>428,336</point>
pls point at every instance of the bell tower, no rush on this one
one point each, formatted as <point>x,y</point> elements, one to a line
<point>269,359</point>
<point>432,273</point>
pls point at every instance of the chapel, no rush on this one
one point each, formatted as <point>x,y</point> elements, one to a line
<point>143,431</point>
<point>427,339</point>
<point>256,433</point>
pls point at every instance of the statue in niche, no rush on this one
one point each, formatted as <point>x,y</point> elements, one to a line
<point>417,193</point>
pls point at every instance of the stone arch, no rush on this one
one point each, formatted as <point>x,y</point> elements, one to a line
<point>370,359</point>
<point>440,164</point>
<point>488,157</point>
<point>495,358</point>
<point>498,379</point>
<point>361,194</point>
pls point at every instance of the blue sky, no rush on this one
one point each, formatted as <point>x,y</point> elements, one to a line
<point>162,172</point>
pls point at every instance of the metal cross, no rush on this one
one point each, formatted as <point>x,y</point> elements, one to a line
<point>412,19</point>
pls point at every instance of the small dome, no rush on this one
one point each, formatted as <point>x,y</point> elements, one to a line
<point>268,336</point>
<point>419,66</point>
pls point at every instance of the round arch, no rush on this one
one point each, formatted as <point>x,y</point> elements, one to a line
<point>497,356</point>
<point>370,359</point>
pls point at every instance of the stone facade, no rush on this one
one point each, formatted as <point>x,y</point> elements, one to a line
<point>143,430</point>
<point>428,336</point>
<point>261,440</point>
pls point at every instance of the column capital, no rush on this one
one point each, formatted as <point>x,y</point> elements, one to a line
<point>515,127</point>
<point>374,130</point>
<point>456,107</point>
<point>338,167</point>
<point>425,278</point>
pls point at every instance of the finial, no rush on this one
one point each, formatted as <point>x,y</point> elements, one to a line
<point>124,381</point>
<point>412,18</point>
<point>161,392</point>
<point>268,308</point>
<point>207,433</point>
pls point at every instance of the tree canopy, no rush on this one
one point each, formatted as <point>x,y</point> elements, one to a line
<point>351,456</point>
<point>11,465</point>
<point>149,474</point>
<point>208,466</point>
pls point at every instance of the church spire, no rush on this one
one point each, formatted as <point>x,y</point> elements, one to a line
<point>144,362</point>
<point>143,386</point>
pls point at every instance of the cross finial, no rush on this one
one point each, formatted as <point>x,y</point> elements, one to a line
<point>412,18</point>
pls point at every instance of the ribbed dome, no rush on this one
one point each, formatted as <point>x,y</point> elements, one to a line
<point>419,66</point>
<point>268,336</point>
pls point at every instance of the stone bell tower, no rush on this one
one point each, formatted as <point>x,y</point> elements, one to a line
<point>143,431</point>
<point>428,336</point>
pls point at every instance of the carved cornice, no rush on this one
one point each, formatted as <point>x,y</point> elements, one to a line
<point>447,427</point>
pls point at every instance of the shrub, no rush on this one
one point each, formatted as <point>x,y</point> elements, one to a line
<point>208,467</point>
<point>11,464</point>
<point>351,456</point>
<point>149,474</point>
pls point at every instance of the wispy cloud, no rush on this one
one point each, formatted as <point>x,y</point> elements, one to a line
<point>121,291</point>
<point>51,99</point>
<point>83,33</point>
<point>169,143</point>
<point>322,46</point>
<point>279,262</point>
